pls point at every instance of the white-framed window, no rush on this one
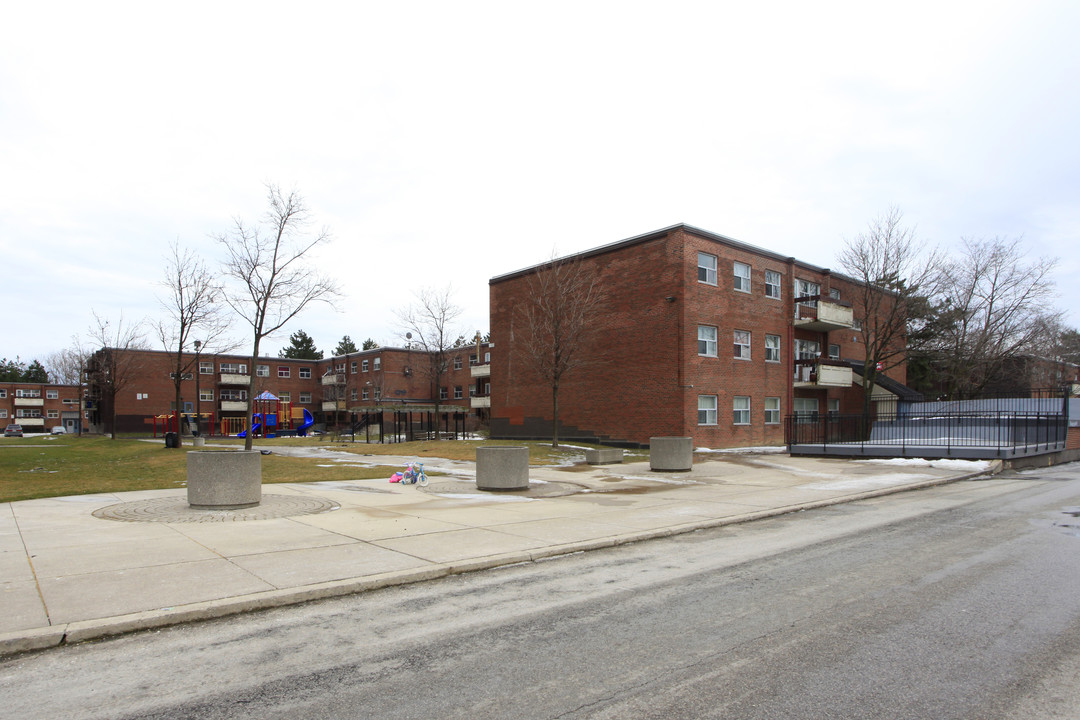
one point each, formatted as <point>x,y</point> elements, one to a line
<point>742,276</point>
<point>834,406</point>
<point>457,363</point>
<point>487,357</point>
<point>262,371</point>
<point>807,349</point>
<point>772,284</point>
<point>3,393</point>
<point>142,396</point>
<point>706,409</point>
<point>834,293</point>
<point>706,268</point>
<point>233,395</point>
<point>206,368</point>
<point>283,371</point>
<point>377,364</point>
<point>834,352</point>
<point>305,398</point>
<point>31,413</point>
<point>70,401</point>
<point>804,409</point>
<point>230,368</point>
<point>856,324</point>
<point>772,348</point>
<point>352,395</point>
<point>772,411</point>
<point>206,395</point>
<point>305,373</point>
<point>364,394</point>
<point>443,393</point>
<point>52,394</point>
<point>27,393</point>
<point>805,288</point>
<point>352,367</point>
<point>53,413</point>
<point>457,392</point>
<point>378,393</point>
<point>741,410</point>
<point>706,340</point>
<point>742,344</point>
<point>363,366</point>
<point>339,368</point>
<point>285,396</point>
<point>3,412</point>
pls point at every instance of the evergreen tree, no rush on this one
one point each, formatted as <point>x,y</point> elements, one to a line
<point>11,370</point>
<point>370,344</point>
<point>301,347</point>
<point>345,347</point>
<point>35,373</point>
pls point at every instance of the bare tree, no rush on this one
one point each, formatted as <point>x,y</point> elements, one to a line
<point>895,274</point>
<point>429,325</point>
<point>272,285</point>
<point>112,368</point>
<point>194,315</point>
<point>559,316</point>
<point>994,307</point>
<point>65,366</point>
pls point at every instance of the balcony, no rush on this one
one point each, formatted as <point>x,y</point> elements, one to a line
<point>333,379</point>
<point>333,406</point>
<point>480,371</point>
<point>234,379</point>
<point>821,374</point>
<point>29,402</point>
<point>480,402</point>
<point>234,405</point>
<point>828,315</point>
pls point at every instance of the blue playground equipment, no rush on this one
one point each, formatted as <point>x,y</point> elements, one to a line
<point>302,428</point>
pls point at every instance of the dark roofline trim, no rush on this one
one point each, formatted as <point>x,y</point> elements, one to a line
<point>664,232</point>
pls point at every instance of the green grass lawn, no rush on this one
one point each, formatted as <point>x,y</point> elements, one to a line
<point>58,465</point>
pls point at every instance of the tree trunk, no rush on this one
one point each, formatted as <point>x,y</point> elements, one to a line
<point>555,415</point>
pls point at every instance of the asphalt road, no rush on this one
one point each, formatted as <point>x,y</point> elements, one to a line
<point>961,601</point>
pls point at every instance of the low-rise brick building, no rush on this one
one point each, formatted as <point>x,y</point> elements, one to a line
<point>40,407</point>
<point>700,335</point>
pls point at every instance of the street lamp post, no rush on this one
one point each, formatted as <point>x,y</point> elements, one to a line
<point>198,404</point>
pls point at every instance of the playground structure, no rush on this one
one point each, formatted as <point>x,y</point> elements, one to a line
<point>196,422</point>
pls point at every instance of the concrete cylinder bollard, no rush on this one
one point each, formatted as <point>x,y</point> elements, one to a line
<point>224,479</point>
<point>500,467</point>
<point>198,441</point>
<point>671,454</point>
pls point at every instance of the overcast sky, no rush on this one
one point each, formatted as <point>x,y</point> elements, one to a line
<point>447,143</point>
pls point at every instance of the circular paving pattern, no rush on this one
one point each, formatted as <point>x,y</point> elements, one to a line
<point>176,510</point>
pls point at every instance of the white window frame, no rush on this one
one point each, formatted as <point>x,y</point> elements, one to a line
<point>457,363</point>
<point>262,371</point>
<point>707,267</point>
<point>3,412</point>
<point>284,371</point>
<point>706,409</point>
<point>772,348</point>
<point>206,395</point>
<point>773,283</point>
<point>834,293</point>
<point>772,411</point>
<point>52,394</point>
<point>52,414</point>
<point>834,351</point>
<point>363,366</point>
<point>740,410</point>
<point>352,368</point>
<point>352,394</point>
<point>363,393</point>
<point>231,368</point>
<point>807,349</point>
<point>741,274</point>
<point>458,392</point>
<point>305,398</point>
<point>800,409</point>
<point>803,288</point>
<point>377,364</point>
<point>304,373</point>
<point>206,368</point>
<point>834,406</point>
<point>708,344</point>
<point>742,349</point>
<point>3,393</point>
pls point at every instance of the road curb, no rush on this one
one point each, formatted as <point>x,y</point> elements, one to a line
<point>80,631</point>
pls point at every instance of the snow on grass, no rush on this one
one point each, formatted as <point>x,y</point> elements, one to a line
<point>764,450</point>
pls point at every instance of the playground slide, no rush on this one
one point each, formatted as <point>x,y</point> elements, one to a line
<point>302,429</point>
<point>256,424</point>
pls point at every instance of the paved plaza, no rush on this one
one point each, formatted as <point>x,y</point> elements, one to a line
<point>80,567</point>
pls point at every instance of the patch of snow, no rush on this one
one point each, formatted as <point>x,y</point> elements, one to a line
<point>764,450</point>
<point>945,464</point>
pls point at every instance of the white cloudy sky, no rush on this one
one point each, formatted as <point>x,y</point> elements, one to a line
<point>446,143</point>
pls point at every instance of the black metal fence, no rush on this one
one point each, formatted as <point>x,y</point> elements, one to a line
<point>985,428</point>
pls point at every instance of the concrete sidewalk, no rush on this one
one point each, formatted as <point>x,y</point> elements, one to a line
<point>76,568</point>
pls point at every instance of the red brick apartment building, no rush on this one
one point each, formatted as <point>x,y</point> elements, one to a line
<point>333,390</point>
<point>39,407</point>
<point>701,336</point>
